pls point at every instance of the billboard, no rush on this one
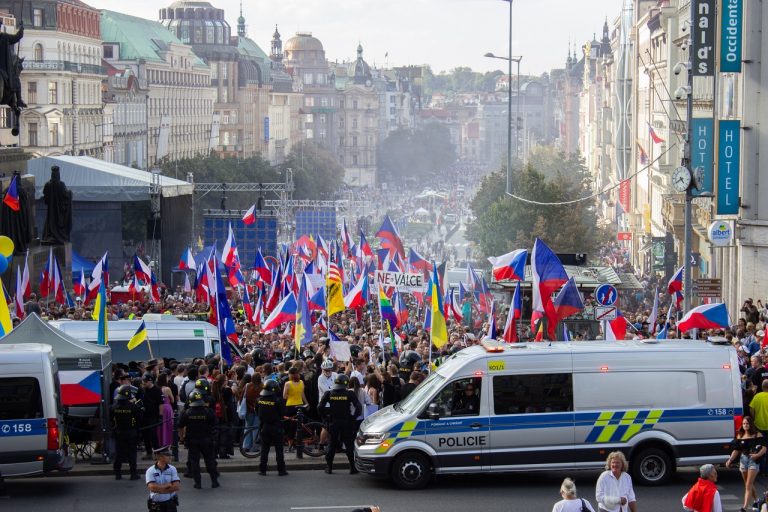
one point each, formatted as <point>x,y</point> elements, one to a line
<point>704,19</point>
<point>702,154</point>
<point>731,34</point>
<point>316,222</point>
<point>262,233</point>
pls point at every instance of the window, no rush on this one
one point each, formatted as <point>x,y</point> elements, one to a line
<point>307,78</point>
<point>5,117</point>
<point>354,141</point>
<point>21,399</point>
<point>32,134</point>
<point>108,52</point>
<point>214,71</point>
<point>354,159</point>
<point>38,52</point>
<point>354,104</point>
<point>354,122</point>
<point>309,101</point>
<point>53,95</point>
<point>37,17</point>
<point>460,397</point>
<point>224,71</point>
<point>529,394</point>
<point>323,101</point>
<point>32,92</point>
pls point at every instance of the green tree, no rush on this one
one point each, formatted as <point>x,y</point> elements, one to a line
<point>504,223</point>
<point>316,173</point>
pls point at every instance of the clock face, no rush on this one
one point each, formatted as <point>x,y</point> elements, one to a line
<point>681,179</point>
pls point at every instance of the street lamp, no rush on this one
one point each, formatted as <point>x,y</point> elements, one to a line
<point>509,113</point>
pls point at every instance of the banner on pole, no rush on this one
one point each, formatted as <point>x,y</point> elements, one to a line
<point>731,34</point>
<point>702,152</point>
<point>728,171</point>
<point>625,197</point>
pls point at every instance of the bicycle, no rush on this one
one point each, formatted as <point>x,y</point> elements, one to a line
<point>307,436</point>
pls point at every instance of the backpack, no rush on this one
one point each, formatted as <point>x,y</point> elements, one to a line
<point>183,393</point>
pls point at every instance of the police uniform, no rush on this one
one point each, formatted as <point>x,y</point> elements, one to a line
<point>344,407</point>
<point>162,502</point>
<point>126,418</point>
<point>271,411</point>
<point>199,424</point>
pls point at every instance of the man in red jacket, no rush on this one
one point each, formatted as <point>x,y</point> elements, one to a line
<point>704,496</point>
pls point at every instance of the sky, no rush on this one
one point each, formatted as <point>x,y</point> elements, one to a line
<point>442,33</point>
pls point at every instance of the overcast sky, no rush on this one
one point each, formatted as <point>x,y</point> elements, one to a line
<point>443,33</point>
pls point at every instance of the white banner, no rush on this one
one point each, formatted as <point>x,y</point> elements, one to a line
<point>340,351</point>
<point>163,138</point>
<point>403,281</point>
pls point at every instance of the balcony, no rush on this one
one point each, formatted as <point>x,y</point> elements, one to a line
<point>63,65</point>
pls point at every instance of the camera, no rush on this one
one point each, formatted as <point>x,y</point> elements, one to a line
<point>679,67</point>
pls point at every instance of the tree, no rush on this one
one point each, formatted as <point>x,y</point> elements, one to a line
<point>316,173</point>
<point>504,223</point>
<point>421,155</point>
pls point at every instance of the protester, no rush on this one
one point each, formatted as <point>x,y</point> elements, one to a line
<point>614,491</point>
<point>571,502</point>
<point>704,496</point>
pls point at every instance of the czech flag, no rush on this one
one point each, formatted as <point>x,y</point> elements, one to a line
<point>284,312</point>
<point>568,302</point>
<point>358,296</point>
<point>142,270</point>
<point>401,310</point>
<point>548,275</point>
<point>187,261</point>
<point>79,387</point>
<point>19,298</point>
<point>25,284</point>
<point>247,306</point>
<point>261,267</point>
<point>11,198</point>
<point>250,216</point>
<point>46,275</point>
<point>418,262</point>
<point>78,283</point>
<point>708,316</point>
<point>515,313</point>
<point>346,239</point>
<point>229,252</point>
<point>675,286</point>
<point>390,238</point>
<point>510,266</point>
<point>100,273</point>
<point>617,328</point>
<point>654,136</point>
<point>365,247</point>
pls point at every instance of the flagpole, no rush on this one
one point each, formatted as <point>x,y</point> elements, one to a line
<point>149,346</point>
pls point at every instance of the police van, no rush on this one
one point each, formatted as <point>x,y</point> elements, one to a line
<point>498,407</point>
<point>30,411</point>
<point>172,338</point>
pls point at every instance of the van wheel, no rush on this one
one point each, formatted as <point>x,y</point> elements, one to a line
<point>651,466</point>
<point>411,470</point>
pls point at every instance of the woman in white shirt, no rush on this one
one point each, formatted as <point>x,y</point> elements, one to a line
<point>614,492</point>
<point>570,502</point>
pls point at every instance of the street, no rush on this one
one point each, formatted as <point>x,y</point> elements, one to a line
<point>314,490</point>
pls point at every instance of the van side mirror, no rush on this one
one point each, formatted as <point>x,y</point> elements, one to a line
<point>433,412</point>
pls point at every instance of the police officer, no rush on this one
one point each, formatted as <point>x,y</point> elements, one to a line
<point>202,386</point>
<point>163,482</point>
<point>197,427</point>
<point>344,407</point>
<point>271,410</point>
<point>126,418</point>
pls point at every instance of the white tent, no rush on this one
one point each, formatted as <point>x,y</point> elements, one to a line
<point>91,179</point>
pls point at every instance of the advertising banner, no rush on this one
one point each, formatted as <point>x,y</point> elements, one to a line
<point>728,171</point>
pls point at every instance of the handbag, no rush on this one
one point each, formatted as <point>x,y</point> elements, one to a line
<point>242,407</point>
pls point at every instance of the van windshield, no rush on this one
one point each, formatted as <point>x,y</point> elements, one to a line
<point>416,401</point>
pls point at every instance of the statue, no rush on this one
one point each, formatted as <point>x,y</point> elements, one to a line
<point>58,218</point>
<point>10,72</point>
<point>16,224</point>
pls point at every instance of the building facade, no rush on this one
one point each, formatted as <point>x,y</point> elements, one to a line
<point>285,103</point>
<point>129,96</point>
<point>61,81</point>
<point>239,73</point>
<point>180,96</point>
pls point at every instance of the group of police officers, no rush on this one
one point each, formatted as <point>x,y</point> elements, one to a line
<point>197,427</point>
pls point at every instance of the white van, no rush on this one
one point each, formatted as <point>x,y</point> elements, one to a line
<point>556,406</point>
<point>30,411</point>
<point>178,339</point>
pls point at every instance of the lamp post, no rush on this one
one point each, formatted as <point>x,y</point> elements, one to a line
<point>509,113</point>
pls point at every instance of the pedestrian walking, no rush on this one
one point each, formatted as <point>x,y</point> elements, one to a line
<point>571,502</point>
<point>748,448</point>
<point>704,496</point>
<point>614,491</point>
<point>343,407</point>
<point>163,483</point>
<point>197,431</point>
<point>271,411</point>
<point>126,418</point>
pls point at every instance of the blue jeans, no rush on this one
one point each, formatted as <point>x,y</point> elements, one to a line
<point>251,431</point>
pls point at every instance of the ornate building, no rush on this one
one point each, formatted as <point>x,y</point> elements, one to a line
<point>180,96</point>
<point>304,60</point>
<point>358,126</point>
<point>61,81</point>
<point>128,95</point>
<point>285,102</point>
<point>239,73</point>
